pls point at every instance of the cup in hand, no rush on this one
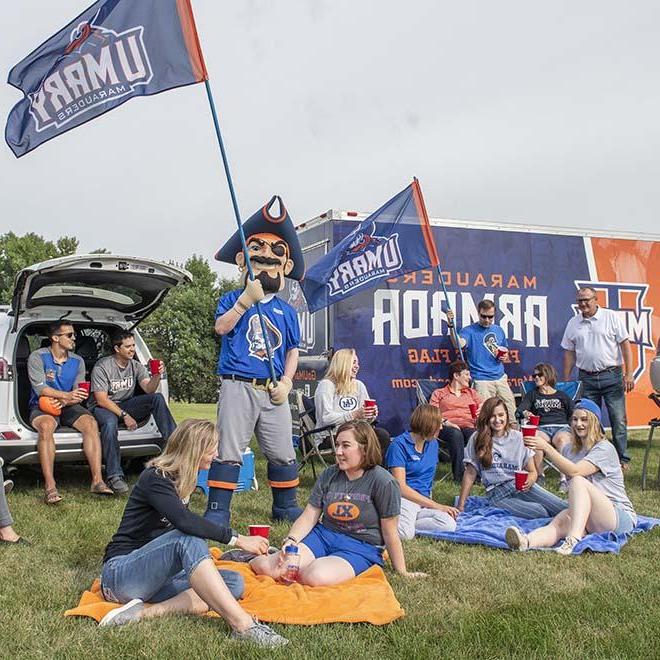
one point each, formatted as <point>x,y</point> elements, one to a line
<point>370,403</point>
<point>528,430</point>
<point>85,385</point>
<point>534,420</point>
<point>502,353</point>
<point>259,530</point>
<point>473,410</point>
<point>521,478</point>
<point>154,367</point>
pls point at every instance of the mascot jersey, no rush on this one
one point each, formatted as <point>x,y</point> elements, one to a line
<point>243,351</point>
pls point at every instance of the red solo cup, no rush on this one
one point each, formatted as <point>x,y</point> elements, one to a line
<point>501,352</point>
<point>521,478</point>
<point>528,430</point>
<point>154,367</point>
<point>534,420</point>
<point>473,410</point>
<point>370,403</point>
<point>85,385</point>
<point>259,530</point>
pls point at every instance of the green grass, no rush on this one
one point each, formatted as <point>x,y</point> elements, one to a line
<point>476,602</point>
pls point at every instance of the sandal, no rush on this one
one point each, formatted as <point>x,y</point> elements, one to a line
<point>101,488</point>
<point>51,496</point>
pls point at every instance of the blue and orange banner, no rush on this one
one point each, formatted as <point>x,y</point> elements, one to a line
<point>112,52</point>
<point>394,240</point>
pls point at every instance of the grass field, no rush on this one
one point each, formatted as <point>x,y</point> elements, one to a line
<point>476,602</point>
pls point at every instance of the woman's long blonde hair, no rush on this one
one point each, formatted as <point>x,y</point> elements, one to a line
<point>184,450</point>
<point>339,371</point>
<point>594,432</point>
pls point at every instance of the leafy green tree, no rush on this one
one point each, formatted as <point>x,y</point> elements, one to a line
<point>18,252</point>
<point>180,332</point>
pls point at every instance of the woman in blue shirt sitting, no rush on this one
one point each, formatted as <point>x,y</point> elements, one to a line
<point>412,459</point>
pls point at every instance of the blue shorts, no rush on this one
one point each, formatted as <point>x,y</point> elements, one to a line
<point>552,429</point>
<point>323,542</point>
<point>625,521</point>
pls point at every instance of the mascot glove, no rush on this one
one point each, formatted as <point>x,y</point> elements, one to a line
<point>280,393</point>
<point>252,293</point>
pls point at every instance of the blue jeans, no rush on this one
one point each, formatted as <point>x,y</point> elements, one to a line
<point>608,385</point>
<point>160,570</point>
<point>537,502</point>
<point>139,407</point>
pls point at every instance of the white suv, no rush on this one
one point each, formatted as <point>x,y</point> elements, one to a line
<point>97,293</point>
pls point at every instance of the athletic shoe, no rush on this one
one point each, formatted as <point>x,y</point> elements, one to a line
<point>261,635</point>
<point>563,486</point>
<point>118,485</point>
<point>125,614</point>
<point>9,486</point>
<point>516,539</point>
<point>566,548</point>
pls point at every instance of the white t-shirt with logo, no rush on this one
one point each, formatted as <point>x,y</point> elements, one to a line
<point>333,408</point>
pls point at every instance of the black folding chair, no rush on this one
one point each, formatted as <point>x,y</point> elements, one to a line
<point>653,424</point>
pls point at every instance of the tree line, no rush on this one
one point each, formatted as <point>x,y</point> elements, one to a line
<point>180,331</point>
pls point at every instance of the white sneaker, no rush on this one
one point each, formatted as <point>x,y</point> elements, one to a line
<point>566,548</point>
<point>516,539</point>
<point>125,614</point>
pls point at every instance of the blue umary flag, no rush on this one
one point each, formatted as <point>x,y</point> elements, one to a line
<point>395,240</point>
<point>114,51</point>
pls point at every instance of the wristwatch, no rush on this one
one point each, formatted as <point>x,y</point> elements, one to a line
<point>123,414</point>
<point>234,538</point>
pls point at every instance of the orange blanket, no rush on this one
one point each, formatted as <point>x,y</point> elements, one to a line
<point>366,598</point>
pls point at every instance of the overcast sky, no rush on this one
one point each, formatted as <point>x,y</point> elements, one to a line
<point>533,112</point>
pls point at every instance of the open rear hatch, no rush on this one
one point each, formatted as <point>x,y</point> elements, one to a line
<point>129,286</point>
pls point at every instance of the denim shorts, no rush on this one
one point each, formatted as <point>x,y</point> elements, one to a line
<point>625,521</point>
<point>323,542</point>
<point>551,430</point>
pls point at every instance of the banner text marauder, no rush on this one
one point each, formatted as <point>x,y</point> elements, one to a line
<point>106,65</point>
<point>416,314</point>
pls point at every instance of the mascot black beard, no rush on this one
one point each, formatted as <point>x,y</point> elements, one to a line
<point>250,403</point>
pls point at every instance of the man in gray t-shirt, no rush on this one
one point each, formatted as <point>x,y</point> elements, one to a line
<point>355,508</point>
<point>114,379</point>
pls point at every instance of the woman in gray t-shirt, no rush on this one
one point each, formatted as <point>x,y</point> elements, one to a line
<point>352,515</point>
<point>597,496</point>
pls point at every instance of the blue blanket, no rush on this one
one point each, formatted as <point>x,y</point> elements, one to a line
<point>485,525</point>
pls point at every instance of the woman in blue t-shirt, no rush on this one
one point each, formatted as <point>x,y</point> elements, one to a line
<point>495,453</point>
<point>412,459</point>
<point>597,498</point>
<point>350,518</point>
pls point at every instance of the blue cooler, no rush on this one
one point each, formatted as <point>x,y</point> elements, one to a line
<point>246,478</point>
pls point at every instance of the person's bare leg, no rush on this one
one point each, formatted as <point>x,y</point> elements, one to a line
<point>561,439</point>
<point>187,602</point>
<point>326,571</point>
<point>603,516</point>
<point>89,429</point>
<point>211,589</point>
<point>538,455</point>
<point>45,426</point>
<point>547,536</point>
<point>589,508</point>
<point>273,566</point>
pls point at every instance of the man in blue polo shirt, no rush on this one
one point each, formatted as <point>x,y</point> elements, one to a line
<point>54,374</point>
<point>484,345</point>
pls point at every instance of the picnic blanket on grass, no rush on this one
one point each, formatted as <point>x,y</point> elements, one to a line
<point>367,598</point>
<point>485,525</point>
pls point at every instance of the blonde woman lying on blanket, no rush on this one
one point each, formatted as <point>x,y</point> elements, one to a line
<point>597,499</point>
<point>357,503</point>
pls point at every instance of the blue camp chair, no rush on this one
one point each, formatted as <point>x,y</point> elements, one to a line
<point>426,387</point>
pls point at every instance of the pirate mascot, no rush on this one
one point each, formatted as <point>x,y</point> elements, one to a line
<point>250,403</point>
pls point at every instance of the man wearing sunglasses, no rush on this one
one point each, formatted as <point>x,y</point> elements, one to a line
<point>484,345</point>
<point>597,342</point>
<point>54,374</point>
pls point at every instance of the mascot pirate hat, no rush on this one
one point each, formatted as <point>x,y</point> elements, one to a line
<point>262,222</point>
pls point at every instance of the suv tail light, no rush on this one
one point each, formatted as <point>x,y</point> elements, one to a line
<point>5,370</point>
<point>9,435</point>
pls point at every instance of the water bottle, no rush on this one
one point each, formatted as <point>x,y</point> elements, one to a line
<point>291,564</point>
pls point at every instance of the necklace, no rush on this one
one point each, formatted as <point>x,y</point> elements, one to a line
<point>349,490</point>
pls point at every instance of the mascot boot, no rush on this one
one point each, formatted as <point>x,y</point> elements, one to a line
<point>223,480</point>
<point>283,480</point>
